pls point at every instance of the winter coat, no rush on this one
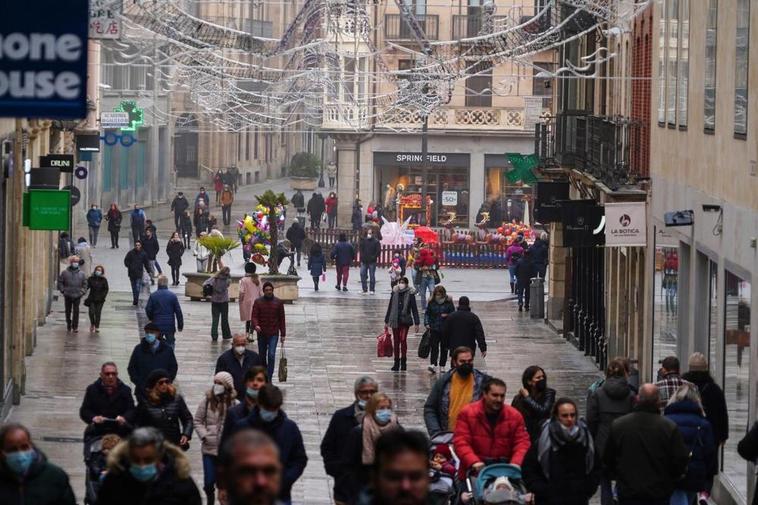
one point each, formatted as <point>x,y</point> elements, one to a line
<point>151,246</point>
<point>170,416</point>
<point>114,220</point>
<point>370,248</point>
<point>209,424</point>
<point>354,474</point>
<point>298,200</point>
<point>94,218</point>
<point>525,271</point>
<point>204,197</point>
<point>228,362</point>
<point>84,251</point>
<point>44,484</point>
<point>463,328</point>
<point>143,361</point>
<point>539,252</point>
<point>174,485</point>
<point>137,219</point>
<point>296,235</point>
<point>249,292</point>
<point>316,264</point>
<point>437,406</point>
<point>220,285</point>
<point>646,455</point>
<point>179,204</point>
<point>331,206</point>
<point>162,308</point>
<point>175,250</point>
<point>356,218</point>
<point>513,254</point>
<point>269,315</point>
<point>218,183</point>
<point>97,402</point>
<point>234,415</point>
<point>72,283</point>
<point>316,206</point>
<point>714,403</point>
<point>434,312</point>
<point>570,482</point>
<point>136,263</point>
<point>609,402</point>
<point>748,449</point>
<point>201,222</point>
<point>404,318</point>
<point>287,437</point>
<point>698,438</point>
<point>201,252</point>
<point>475,440</point>
<point>536,410</point>
<point>227,198</point>
<point>98,288</point>
<point>185,223</point>
<point>333,445</point>
<point>343,254</point>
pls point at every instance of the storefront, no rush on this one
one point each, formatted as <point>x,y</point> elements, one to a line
<point>504,200</point>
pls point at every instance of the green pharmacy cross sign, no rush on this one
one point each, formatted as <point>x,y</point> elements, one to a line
<point>136,115</point>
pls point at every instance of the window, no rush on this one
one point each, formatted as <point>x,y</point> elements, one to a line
<point>683,63</point>
<point>672,59</point>
<point>255,144</point>
<point>662,63</point>
<point>247,144</point>
<point>666,302</point>
<point>417,7</point>
<point>709,81</point>
<point>741,67</point>
<point>542,86</point>
<point>479,85</point>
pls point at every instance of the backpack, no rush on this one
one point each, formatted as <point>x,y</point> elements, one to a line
<point>208,289</point>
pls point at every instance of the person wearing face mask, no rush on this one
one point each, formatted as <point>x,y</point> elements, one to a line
<point>534,400</point>
<point>268,417</point>
<point>401,314</point>
<point>369,249</point>
<point>26,476</point>
<point>165,409</point>
<point>453,391</point>
<point>269,321</point>
<point>94,219</point>
<point>209,423</point>
<point>98,291</point>
<point>255,379</point>
<point>342,423</point>
<point>562,468</point>
<point>148,470</point>
<point>437,310</point>
<point>150,354</point>
<point>72,283</point>
<point>359,455</point>
<point>237,361</point>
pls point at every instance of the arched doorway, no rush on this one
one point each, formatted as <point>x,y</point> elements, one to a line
<point>186,146</point>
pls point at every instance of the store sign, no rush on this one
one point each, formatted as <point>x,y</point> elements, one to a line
<point>449,198</point>
<point>43,50</point>
<point>625,224</point>
<point>547,207</point>
<point>583,222</point>
<point>114,120</point>
<point>103,19</point>
<point>447,160</point>
<point>63,162</point>
<point>46,209</point>
<point>87,143</point>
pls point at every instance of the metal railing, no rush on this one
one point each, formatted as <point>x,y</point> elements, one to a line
<point>395,27</point>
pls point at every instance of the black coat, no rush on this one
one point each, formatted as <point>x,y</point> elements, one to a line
<point>175,250</point>
<point>136,263</point>
<point>298,201</point>
<point>463,328</point>
<point>333,446</point>
<point>44,484</point>
<point>609,402</point>
<point>354,475</point>
<point>98,288</point>
<point>151,246</point>
<point>234,415</point>
<point>369,250</point>
<point>748,449</point>
<point>296,235</point>
<point>536,410</point>
<point>97,402</point>
<point>228,362</point>
<point>316,206</point>
<point>114,220</point>
<point>539,252</point>
<point>143,361</point>
<point>525,271</point>
<point>185,223</point>
<point>179,205</point>
<point>714,403</point>
<point>170,416</point>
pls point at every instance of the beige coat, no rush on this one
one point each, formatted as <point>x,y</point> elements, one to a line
<point>249,292</point>
<point>209,425</point>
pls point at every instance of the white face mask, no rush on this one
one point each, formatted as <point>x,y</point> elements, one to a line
<point>218,389</point>
<point>402,285</point>
<point>239,349</point>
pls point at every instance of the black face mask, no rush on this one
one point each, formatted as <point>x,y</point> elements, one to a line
<point>268,297</point>
<point>541,385</point>
<point>465,369</point>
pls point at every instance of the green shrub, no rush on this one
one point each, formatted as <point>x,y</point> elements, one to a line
<point>305,165</point>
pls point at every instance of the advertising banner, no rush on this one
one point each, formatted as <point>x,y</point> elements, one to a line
<point>625,224</point>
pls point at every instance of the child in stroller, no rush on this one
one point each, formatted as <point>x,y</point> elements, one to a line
<point>496,484</point>
<point>443,463</point>
<point>96,450</point>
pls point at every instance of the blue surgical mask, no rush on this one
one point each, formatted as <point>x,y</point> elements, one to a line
<point>251,393</point>
<point>75,266</point>
<point>144,473</point>
<point>20,461</point>
<point>98,273</point>
<point>267,416</point>
<point>149,338</point>
<point>362,404</point>
<point>383,416</point>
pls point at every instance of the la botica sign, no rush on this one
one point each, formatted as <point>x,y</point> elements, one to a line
<point>626,224</point>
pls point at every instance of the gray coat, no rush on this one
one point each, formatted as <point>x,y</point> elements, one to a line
<point>220,285</point>
<point>72,283</point>
<point>609,402</point>
<point>436,408</point>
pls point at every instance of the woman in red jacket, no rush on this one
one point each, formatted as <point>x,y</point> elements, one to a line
<point>331,209</point>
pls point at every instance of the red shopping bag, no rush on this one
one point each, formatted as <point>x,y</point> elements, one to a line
<point>384,344</point>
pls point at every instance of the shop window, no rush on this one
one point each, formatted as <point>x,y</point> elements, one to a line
<point>673,60</point>
<point>479,85</point>
<point>741,68</point>
<point>505,201</point>
<point>666,300</point>
<point>736,375</point>
<point>711,39</point>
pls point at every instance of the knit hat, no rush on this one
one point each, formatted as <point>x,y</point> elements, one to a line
<point>697,362</point>
<point>267,284</point>
<point>444,450</point>
<point>155,376</point>
<point>225,378</point>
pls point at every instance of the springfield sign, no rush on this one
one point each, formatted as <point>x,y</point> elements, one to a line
<point>625,224</point>
<point>43,59</point>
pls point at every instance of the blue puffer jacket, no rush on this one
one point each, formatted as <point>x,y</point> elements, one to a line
<point>343,254</point>
<point>434,311</point>
<point>162,307</point>
<point>698,438</point>
<point>316,264</point>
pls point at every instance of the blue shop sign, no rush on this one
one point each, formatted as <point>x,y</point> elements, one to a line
<point>43,58</point>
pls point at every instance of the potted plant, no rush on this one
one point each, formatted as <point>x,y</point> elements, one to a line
<point>285,285</point>
<point>304,170</point>
<point>218,246</point>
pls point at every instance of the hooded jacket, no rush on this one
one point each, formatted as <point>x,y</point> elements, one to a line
<point>437,406</point>
<point>174,485</point>
<point>609,402</point>
<point>463,328</point>
<point>698,438</point>
<point>44,484</point>
<point>163,308</point>
<point>434,312</point>
<point>72,283</point>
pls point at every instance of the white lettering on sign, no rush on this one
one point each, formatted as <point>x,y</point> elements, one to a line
<point>60,163</point>
<point>418,158</point>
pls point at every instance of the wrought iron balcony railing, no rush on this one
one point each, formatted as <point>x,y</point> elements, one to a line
<point>395,27</point>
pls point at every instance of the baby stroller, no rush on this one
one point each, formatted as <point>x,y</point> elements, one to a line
<point>497,484</point>
<point>95,458</point>
<point>442,484</point>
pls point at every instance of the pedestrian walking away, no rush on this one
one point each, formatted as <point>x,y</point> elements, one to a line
<point>438,309</point>
<point>175,250</point>
<point>185,224</point>
<point>137,222</point>
<point>369,249</point>
<point>179,206</point>
<point>316,264</point>
<point>402,313</point>
<point>94,220</point>
<point>269,323</point>
<point>98,291</point>
<point>316,208</point>
<point>331,209</point>
<point>525,271</point>
<point>209,424</point>
<point>151,247</point>
<point>162,309</point>
<point>463,328</point>
<point>534,400</point>
<point>201,254</point>
<point>65,246</point>
<point>512,255</point>
<point>218,185</point>
<point>250,290</point>
<point>227,198</point>
<point>712,396</point>
<point>540,252</point>
<point>670,379</point>
<point>137,265</point>
<point>296,236</point>
<point>72,284</point>
<point>108,406</point>
<point>237,361</point>
<point>114,224</point>
<point>220,283</point>
<point>343,255</point>
<point>149,355</point>
<point>84,252</point>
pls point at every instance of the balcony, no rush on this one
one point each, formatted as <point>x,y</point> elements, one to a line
<point>468,26</point>
<point>396,29</point>
<point>254,27</point>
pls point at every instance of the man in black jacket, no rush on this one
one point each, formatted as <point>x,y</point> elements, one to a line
<point>316,207</point>
<point>342,423</point>
<point>296,236</point>
<point>237,361</point>
<point>150,354</point>
<point>178,205</point>
<point>645,453</point>
<point>463,328</point>
<point>525,271</point>
<point>369,251</point>
<point>137,263</point>
<point>151,247</point>
<point>108,406</point>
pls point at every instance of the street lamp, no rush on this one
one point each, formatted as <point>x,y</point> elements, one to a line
<point>323,136</point>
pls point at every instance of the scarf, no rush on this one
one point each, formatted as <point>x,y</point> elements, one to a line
<point>394,319</point>
<point>371,432</point>
<point>554,437</point>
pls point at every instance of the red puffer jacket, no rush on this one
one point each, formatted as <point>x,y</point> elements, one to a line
<point>475,440</point>
<point>269,315</point>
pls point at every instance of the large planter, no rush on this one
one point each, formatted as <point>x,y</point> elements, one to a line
<point>285,286</point>
<point>193,287</point>
<point>304,183</point>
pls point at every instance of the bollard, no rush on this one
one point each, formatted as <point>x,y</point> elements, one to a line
<point>537,298</point>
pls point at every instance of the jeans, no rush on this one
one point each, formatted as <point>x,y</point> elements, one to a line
<point>95,309</point>
<point>342,274</point>
<point>332,221</point>
<point>72,311</point>
<point>681,497</point>
<point>226,214</point>
<point>267,352</point>
<point>136,234</point>
<point>370,269</point>
<point>209,472</point>
<point>523,292</point>
<point>427,283</point>
<point>220,309</point>
<point>93,231</point>
<point>331,181</point>
<point>202,265</point>
<point>175,274</point>
<point>136,289</point>
<point>439,348</point>
<point>177,221</point>
<point>315,281</point>
<point>400,342</point>
<point>512,272</point>
<point>114,238</point>
<point>170,338</point>
<point>155,266</point>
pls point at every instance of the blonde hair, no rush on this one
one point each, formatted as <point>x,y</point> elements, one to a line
<point>154,396</point>
<point>374,402</point>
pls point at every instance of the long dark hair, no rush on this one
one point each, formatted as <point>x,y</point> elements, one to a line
<point>529,374</point>
<point>316,249</point>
